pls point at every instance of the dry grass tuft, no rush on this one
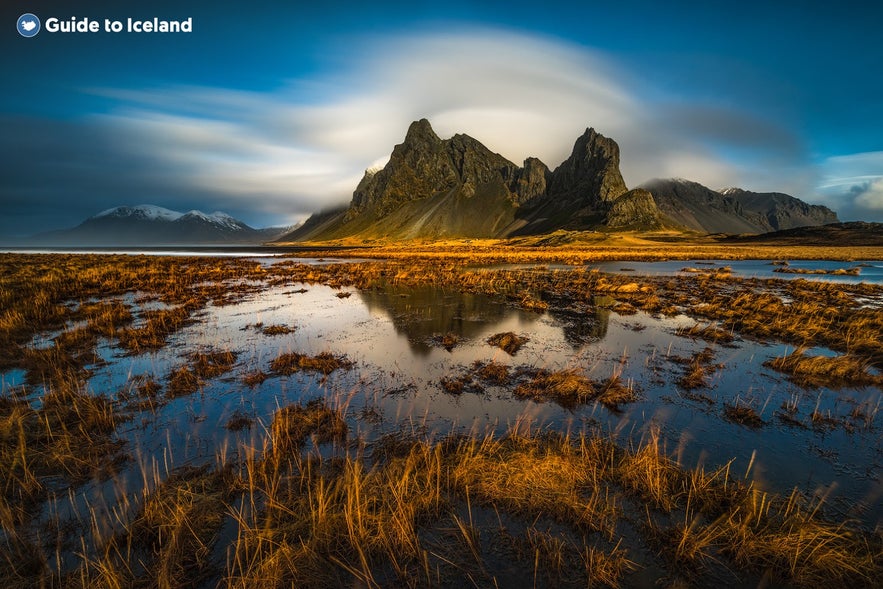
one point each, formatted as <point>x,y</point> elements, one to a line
<point>325,363</point>
<point>455,385</point>
<point>566,387</point>
<point>182,382</point>
<point>178,522</point>
<point>213,363</point>
<point>447,341</point>
<point>696,369</point>
<point>63,443</point>
<point>277,330</point>
<point>491,372</point>
<point>613,392</point>
<point>743,415</point>
<point>825,371</point>
<point>255,378</point>
<point>508,342</point>
<point>294,424</point>
<point>710,333</point>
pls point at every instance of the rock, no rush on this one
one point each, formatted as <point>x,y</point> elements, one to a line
<point>781,211</point>
<point>635,209</point>
<point>530,182</point>
<point>733,210</point>
<point>457,187</point>
<point>590,175</point>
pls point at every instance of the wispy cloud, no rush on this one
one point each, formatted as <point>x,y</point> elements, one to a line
<point>288,152</point>
<point>853,185</point>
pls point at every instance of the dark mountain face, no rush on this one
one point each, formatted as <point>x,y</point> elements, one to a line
<point>457,187</point>
<point>151,225</point>
<point>590,174</point>
<point>697,207</point>
<point>694,206</point>
<point>433,188</point>
<point>781,211</point>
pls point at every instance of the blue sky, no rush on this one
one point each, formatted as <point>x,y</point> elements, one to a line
<point>270,112</point>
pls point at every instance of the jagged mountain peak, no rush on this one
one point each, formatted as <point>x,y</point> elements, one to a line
<point>420,132</point>
<point>457,187</point>
<point>591,173</point>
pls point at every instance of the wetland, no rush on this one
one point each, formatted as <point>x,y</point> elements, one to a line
<point>425,420</point>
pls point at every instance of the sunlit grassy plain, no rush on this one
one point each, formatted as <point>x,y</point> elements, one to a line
<point>528,508</point>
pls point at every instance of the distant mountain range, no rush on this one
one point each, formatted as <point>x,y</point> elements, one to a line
<point>733,210</point>
<point>153,225</point>
<point>435,188</point>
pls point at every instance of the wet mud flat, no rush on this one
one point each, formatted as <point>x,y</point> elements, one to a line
<point>240,422</point>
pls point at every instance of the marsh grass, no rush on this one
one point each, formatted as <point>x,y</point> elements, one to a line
<point>826,371</point>
<point>709,332</point>
<point>325,363</point>
<point>405,516</point>
<point>66,441</point>
<point>272,330</point>
<point>212,363</point>
<point>743,414</point>
<point>508,342</point>
<point>565,387</point>
<point>294,424</point>
<point>491,372</point>
<point>448,341</point>
<point>342,518</point>
<point>570,389</point>
<point>697,369</point>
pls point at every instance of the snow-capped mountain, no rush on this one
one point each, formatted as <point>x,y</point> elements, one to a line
<point>153,225</point>
<point>146,212</point>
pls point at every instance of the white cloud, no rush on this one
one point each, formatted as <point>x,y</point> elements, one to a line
<point>521,95</point>
<point>872,197</point>
<point>853,185</point>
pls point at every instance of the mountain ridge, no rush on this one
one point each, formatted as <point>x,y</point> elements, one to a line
<point>154,225</point>
<point>733,210</point>
<point>457,187</point>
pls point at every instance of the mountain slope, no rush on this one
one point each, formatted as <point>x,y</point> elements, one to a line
<point>781,211</point>
<point>457,187</point>
<point>151,225</point>
<point>733,210</point>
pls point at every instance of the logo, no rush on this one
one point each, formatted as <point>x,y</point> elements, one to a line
<point>28,25</point>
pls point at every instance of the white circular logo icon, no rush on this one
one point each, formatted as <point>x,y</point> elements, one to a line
<point>28,25</point>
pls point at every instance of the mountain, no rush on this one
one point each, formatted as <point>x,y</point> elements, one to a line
<point>733,210</point>
<point>457,187</point>
<point>153,225</point>
<point>781,211</point>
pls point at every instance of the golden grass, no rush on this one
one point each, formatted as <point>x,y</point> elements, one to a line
<point>696,369</point>
<point>64,442</point>
<point>708,332</point>
<point>508,342</point>
<point>324,363</point>
<point>349,520</point>
<point>294,424</point>
<point>584,247</point>
<point>570,389</point>
<point>277,330</point>
<point>826,371</point>
<point>405,518</point>
<point>565,387</point>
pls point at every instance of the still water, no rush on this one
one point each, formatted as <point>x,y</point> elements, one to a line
<point>388,333</point>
